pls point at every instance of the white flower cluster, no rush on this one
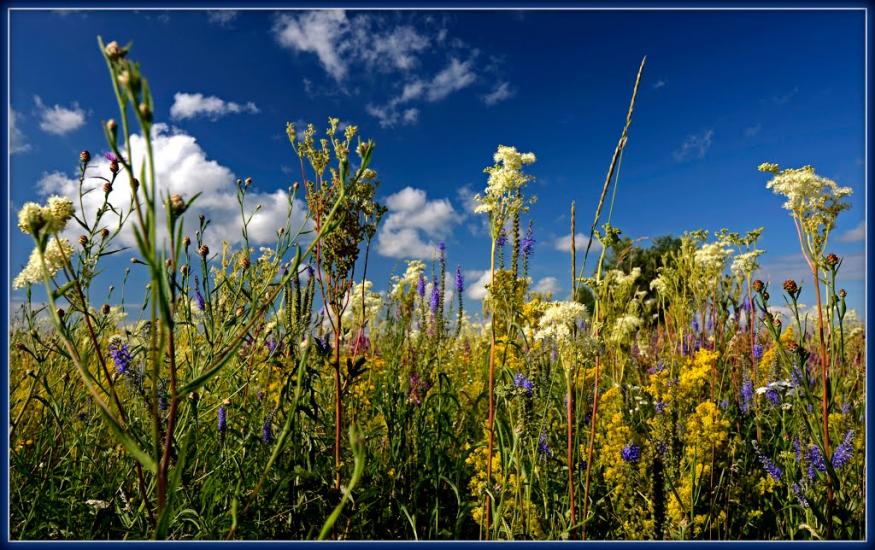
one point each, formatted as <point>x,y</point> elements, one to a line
<point>54,256</point>
<point>409,280</point>
<point>373,303</point>
<point>806,192</point>
<point>746,263</point>
<point>53,217</point>
<point>505,177</point>
<point>623,327</point>
<point>559,320</point>
<point>711,257</point>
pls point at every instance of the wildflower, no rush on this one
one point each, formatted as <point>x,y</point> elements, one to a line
<point>203,250</point>
<point>435,300</point>
<point>260,395</point>
<point>198,297</point>
<point>120,354</point>
<point>659,407</point>
<point>266,433</point>
<point>711,257</point>
<point>745,264</point>
<point>724,404</point>
<point>520,381</point>
<point>271,344</point>
<point>746,395</point>
<point>223,420</point>
<point>505,177</point>
<point>460,281</point>
<point>56,255</point>
<point>631,453</point>
<point>768,465</point>
<point>57,213</point>
<point>527,243</point>
<point>844,452</point>
<point>773,396</point>
<point>30,218</point>
<point>420,286</point>
<point>758,286</point>
<point>832,260</point>
<point>543,447</point>
<point>815,461</point>
<point>757,351</point>
<point>814,200</point>
<point>502,238</point>
<point>797,449</point>
<point>799,496</point>
<point>558,320</point>
<point>114,51</point>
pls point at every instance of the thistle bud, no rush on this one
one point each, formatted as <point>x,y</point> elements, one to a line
<point>842,294</point>
<point>105,309</point>
<point>61,313</point>
<point>104,233</point>
<point>168,262</point>
<point>113,51</point>
<point>113,167</point>
<point>84,157</point>
<point>295,186</point>
<point>832,260</point>
<point>194,396</point>
<point>792,347</point>
<point>83,240</point>
<point>790,286</point>
<point>145,112</point>
<point>111,126</point>
<point>186,241</point>
<point>245,263</point>
<point>184,270</point>
<point>766,295</point>
<point>201,219</point>
<point>204,251</point>
<point>248,182</point>
<point>778,323</point>
<point>135,184</point>
<point>177,205</point>
<point>758,286</point>
<point>107,187</point>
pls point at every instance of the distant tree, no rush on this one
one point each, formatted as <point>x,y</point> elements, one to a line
<point>625,255</point>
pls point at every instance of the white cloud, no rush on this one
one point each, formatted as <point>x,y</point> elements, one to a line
<point>563,244</point>
<point>222,18</point>
<point>452,78</point>
<point>59,120</point>
<point>395,49</point>
<point>182,166</point>
<point>194,105</point>
<point>856,234</point>
<point>548,285</point>
<point>694,146</point>
<point>17,140</point>
<point>793,266</point>
<point>477,289</point>
<point>319,32</point>
<point>500,93</point>
<point>659,84</point>
<point>414,224</point>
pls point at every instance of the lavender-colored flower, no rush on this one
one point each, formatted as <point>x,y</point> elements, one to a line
<point>746,395</point>
<point>223,420</point>
<point>773,396</point>
<point>768,465</point>
<point>420,286</point>
<point>198,297</point>
<point>724,404</point>
<point>846,408</point>
<point>271,344</point>
<point>815,461</point>
<point>631,453</point>
<point>266,430</point>
<point>757,351</point>
<point>323,345</point>
<point>661,448</point>
<point>695,325</point>
<point>582,465</point>
<point>527,243</point>
<point>520,381</point>
<point>799,496</point>
<point>844,452</point>
<point>120,355</point>
<point>310,271</point>
<point>502,238</point>
<point>659,407</point>
<point>260,395</point>
<point>110,156</point>
<point>543,448</point>
<point>435,300</point>
<point>797,447</point>
<point>162,402</point>
<point>442,246</point>
<point>658,368</point>
<point>460,281</point>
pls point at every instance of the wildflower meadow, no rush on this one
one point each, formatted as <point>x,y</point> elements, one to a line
<point>279,391</point>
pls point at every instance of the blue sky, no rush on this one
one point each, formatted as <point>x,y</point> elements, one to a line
<point>438,91</point>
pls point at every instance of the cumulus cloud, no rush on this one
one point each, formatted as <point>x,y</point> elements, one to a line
<point>17,140</point>
<point>695,146</point>
<point>414,225</point>
<point>563,244</point>
<point>856,234</point>
<point>195,105</point>
<point>547,285</point>
<point>182,166</point>
<point>477,288</point>
<point>500,93</point>
<point>57,119</point>
<point>319,32</point>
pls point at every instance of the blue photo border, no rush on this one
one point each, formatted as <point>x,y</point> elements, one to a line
<point>681,5</point>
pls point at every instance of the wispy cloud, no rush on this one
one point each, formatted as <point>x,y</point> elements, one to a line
<point>548,285</point>
<point>500,93</point>
<point>17,140</point>
<point>222,18</point>
<point>856,234</point>
<point>783,99</point>
<point>414,224</point>
<point>751,131</point>
<point>695,146</point>
<point>659,84</point>
<point>198,105</point>
<point>59,120</point>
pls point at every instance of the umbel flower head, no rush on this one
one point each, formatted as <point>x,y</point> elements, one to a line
<point>53,217</point>
<point>502,197</point>
<point>559,320</point>
<point>55,254</point>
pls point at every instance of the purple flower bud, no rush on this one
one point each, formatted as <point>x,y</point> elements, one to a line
<point>460,281</point>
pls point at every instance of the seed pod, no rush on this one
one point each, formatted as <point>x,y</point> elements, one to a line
<point>113,167</point>
<point>790,286</point>
<point>842,294</point>
<point>61,313</point>
<point>186,241</point>
<point>84,157</point>
<point>184,270</point>
<point>245,263</point>
<point>177,205</point>
<point>107,187</point>
<point>145,112</point>
<point>766,295</point>
<point>83,240</point>
<point>168,262</point>
<point>105,309</point>
<point>113,51</point>
<point>240,311</point>
<point>104,233</point>
<point>135,184</point>
<point>111,126</point>
<point>248,182</point>
<point>204,251</point>
<point>758,286</point>
<point>832,260</point>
